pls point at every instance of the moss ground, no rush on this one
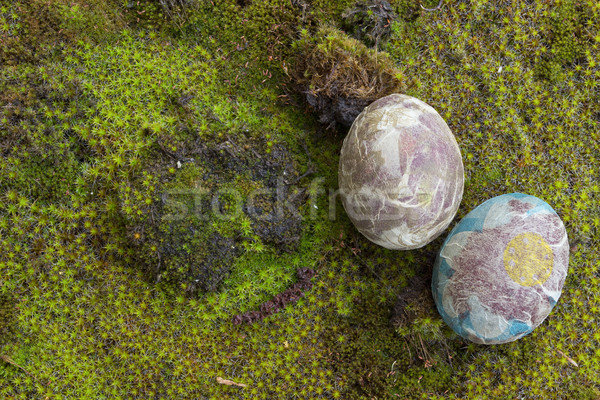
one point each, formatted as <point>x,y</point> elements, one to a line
<point>111,109</point>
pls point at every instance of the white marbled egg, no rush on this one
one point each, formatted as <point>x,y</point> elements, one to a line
<point>401,175</point>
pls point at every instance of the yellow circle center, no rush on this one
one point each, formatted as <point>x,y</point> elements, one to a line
<point>528,259</point>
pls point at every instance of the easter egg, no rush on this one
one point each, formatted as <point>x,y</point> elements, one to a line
<point>501,269</point>
<point>401,175</point>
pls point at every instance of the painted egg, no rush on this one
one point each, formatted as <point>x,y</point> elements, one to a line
<point>501,269</point>
<point>401,175</point>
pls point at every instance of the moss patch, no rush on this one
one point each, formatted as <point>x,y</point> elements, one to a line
<point>339,76</point>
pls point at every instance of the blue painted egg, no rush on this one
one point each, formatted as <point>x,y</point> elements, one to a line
<point>501,270</point>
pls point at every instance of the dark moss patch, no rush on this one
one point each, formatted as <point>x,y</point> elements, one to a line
<point>274,206</point>
<point>417,293</point>
<point>218,201</point>
<point>408,10</point>
<point>158,14</point>
<point>370,21</point>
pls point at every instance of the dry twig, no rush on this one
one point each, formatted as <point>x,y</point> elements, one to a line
<point>569,359</point>
<point>229,383</point>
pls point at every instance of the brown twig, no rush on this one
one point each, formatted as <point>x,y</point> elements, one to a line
<point>229,382</point>
<point>569,359</point>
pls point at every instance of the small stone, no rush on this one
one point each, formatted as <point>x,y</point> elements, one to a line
<point>501,270</point>
<point>401,175</point>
